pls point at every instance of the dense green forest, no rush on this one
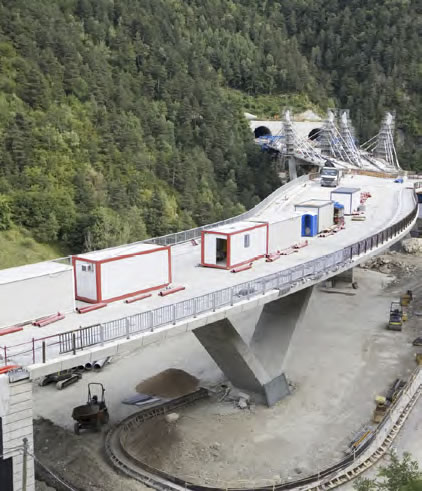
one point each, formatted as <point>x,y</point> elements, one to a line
<point>121,119</point>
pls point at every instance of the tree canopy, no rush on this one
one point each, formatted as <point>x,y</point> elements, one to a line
<point>119,119</point>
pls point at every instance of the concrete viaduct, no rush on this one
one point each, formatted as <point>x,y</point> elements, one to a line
<point>210,305</point>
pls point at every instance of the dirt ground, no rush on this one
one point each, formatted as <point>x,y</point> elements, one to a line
<point>340,358</point>
<point>80,461</point>
<point>170,383</point>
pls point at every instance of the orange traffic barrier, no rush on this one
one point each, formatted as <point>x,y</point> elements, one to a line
<point>7,368</point>
<point>169,291</point>
<point>44,321</point>
<point>89,308</point>
<point>300,245</point>
<point>9,330</point>
<point>139,297</point>
<point>242,268</point>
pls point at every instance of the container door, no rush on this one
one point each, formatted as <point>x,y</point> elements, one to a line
<point>221,251</point>
<point>309,225</point>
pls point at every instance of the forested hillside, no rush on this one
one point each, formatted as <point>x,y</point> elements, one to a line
<point>119,119</point>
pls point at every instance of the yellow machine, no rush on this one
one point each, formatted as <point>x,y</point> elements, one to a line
<point>406,298</point>
<point>396,317</point>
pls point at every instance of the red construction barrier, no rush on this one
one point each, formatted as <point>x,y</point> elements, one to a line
<point>7,368</point>
<point>89,308</point>
<point>242,268</point>
<point>273,257</point>
<point>9,330</point>
<point>300,245</point>
<point>169,291</point>
<point>288,251</point>
<point>139,297</point>
<point>48,320</point>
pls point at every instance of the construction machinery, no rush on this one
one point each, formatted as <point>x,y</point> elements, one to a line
<point>396,317</point>
<point>94,413</point>
<point>406,298</point>
<point>62,379</point>
<point>380,409</point>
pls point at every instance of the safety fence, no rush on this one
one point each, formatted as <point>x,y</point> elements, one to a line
<point>38,350</point>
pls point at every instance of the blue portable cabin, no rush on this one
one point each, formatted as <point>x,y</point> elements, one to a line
<point>317,215</point>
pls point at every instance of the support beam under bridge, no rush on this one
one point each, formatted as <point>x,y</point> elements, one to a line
<point>257,368</point>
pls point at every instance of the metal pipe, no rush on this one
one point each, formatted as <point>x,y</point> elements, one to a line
<point>89,365</point>
<point>100,363</point>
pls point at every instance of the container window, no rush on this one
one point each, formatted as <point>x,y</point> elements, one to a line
<point>247,240</point>
<point>83,267</point>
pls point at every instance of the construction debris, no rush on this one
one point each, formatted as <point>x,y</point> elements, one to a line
<point>412,246</point>
<point>387,264</point>
<point>171,417</point>
<point>170,383</point>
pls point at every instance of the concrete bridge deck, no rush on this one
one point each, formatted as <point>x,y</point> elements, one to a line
<point>389,203</point>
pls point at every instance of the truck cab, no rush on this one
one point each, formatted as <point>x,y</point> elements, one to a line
<point>330,177</point>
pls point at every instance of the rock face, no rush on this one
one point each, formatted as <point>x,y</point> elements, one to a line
<point>412,246</point>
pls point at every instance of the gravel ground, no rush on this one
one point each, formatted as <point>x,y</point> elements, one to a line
<point>340,358</point>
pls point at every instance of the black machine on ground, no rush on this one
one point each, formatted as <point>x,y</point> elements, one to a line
<point>94,413</point>
<point>62,379</point>
<point>396,317</point>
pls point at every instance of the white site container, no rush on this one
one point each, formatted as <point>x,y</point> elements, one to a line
<point>284,232</point>
<point>35,290</point>
<point>120,272</point>
<point>234,244</point>
<point>349,197</point>
<point>323,209</point>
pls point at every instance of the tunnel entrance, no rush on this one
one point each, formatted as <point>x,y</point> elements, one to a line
<point>314,133</point>
<point>262,131</point>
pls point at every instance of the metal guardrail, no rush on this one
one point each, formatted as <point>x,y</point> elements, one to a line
<point>148,321</point>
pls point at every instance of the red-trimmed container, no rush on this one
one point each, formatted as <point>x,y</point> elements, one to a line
<point>121,272</point>
<point>232,245</point>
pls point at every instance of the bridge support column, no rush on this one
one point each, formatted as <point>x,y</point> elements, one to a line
<point>292,168</point>
<point>347,277</point>
<point>236,360</point>
<point>257,368</point>
<point>16,465</point>
<point>275,327</point>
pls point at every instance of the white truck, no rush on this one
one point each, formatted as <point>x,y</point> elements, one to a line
<point>330,177</point>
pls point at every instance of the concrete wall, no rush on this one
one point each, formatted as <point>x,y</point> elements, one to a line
<point>31,298</point>
<point>16,416</point>
<point>284,234</point>
<point>135,273</point>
